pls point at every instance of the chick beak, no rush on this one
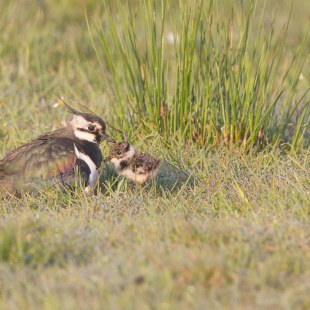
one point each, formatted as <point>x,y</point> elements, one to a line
<point>107,138</point>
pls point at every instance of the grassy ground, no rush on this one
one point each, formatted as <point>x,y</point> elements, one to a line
<point>219,228</point>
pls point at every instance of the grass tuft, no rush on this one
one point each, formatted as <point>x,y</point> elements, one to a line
<point>211,80</point>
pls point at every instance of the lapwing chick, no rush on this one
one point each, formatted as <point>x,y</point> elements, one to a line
<point>58,157</point>
<point>138,167</point>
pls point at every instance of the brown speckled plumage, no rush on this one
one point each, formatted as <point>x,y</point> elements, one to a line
<point>145,162</point>
<point>139,167</point>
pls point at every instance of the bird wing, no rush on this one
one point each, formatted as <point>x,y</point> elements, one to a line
<point>41,158</point>
<point>142,163</point>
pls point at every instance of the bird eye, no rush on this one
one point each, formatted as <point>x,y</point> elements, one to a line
<point>91,127</point>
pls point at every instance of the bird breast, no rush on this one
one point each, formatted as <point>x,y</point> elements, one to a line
<point>93,169</point>
<point>140,175</point>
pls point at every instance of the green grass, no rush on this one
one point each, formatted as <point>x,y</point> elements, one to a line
<point>189,72</point>
<point>236,236</point>
<point>220,227</point>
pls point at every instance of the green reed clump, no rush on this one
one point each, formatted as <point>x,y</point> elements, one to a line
<point>188,69</point>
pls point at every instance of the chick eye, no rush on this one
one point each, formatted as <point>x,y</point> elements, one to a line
<point>91,127</point>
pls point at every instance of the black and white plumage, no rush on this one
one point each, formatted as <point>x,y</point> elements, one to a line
<point>57,157</point>
<point>138,167</point>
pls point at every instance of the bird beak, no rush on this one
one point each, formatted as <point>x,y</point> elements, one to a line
<point>107,138</point>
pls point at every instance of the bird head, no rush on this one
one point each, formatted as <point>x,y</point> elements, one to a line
<point>89,127</point>
<point>121,151</point>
